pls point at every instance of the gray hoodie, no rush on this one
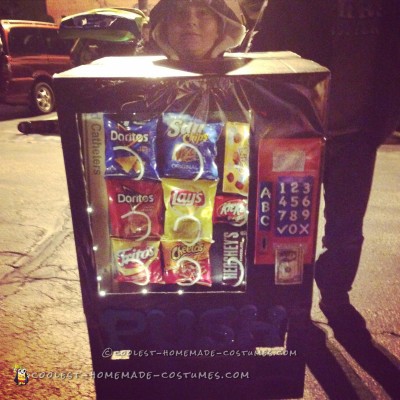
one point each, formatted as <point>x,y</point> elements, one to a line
<point>233,31</point>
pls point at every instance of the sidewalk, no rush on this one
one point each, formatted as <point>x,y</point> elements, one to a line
<point>43,327</point>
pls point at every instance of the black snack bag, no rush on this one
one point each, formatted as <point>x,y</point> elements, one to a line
<point>228,256</point>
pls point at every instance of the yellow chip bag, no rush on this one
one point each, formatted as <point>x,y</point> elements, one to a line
<point>189,209</point>
<point>186,265</point>
<point>236,162</point>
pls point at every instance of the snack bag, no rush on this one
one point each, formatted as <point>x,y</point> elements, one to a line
<point>137,262</point>
<point>135,208</point>
<point>189,209</point>
<point>229,257</point>
<point>230,210</point>
<point>130,146</point>
<point>236,162</point>
<point>189,146</point>
<point>186,265</point>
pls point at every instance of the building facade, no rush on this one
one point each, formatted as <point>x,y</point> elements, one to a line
<point>24,9</point>
<point>59,8</point>
<point>54,10</point>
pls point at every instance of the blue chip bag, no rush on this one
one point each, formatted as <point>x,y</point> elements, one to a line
<point>130,146</point>
<point>189,147</point>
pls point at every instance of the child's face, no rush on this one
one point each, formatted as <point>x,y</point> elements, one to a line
<point>192,31</point>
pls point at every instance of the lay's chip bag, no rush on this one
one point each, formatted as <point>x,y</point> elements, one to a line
<point>135,208</point>
<point>189,147</point>
<point>137,262</point>
<point>188,209</point>
<point>130,146</point>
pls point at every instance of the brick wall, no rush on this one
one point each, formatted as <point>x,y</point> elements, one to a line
<point>59,8</point>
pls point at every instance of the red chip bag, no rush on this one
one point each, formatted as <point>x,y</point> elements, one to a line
<point>230,210</point>
<point>137,262</point>
<point>135,208</point>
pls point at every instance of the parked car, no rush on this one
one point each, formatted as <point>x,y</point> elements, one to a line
<point>96,33</point>
<point>104,32</point>
<point>30,53</point>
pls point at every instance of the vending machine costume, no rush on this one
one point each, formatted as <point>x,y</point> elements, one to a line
<point>194,195</point>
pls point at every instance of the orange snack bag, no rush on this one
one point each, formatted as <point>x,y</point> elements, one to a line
<point>186,265</point>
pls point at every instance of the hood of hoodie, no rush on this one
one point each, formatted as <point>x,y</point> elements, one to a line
<point>233,32</point>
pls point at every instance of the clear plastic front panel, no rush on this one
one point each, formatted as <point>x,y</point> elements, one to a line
<point>168,200</point>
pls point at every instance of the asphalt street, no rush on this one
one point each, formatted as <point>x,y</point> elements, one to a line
<point>43,327</point>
